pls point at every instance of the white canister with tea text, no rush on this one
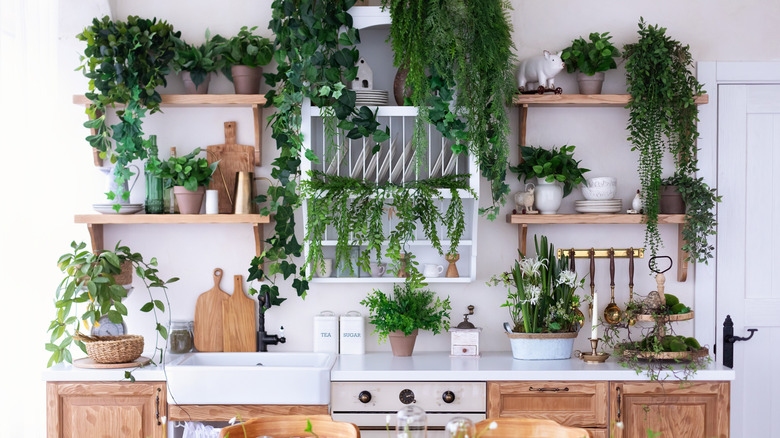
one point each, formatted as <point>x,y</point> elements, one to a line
<point>352,333</point>
<point>326,332</point>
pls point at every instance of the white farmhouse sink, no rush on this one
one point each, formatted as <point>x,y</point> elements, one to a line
<point>250,378</point>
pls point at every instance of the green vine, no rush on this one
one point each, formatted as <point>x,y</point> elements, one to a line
<point>356,209</point>
<point>315,50</point>
<point>700,221</point>
<point>125,62</point>
<point>468,44</point>
<point>663,113</point>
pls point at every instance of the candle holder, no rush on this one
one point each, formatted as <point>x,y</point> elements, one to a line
<point>593,356</point>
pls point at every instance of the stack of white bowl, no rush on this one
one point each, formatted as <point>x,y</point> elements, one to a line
<point>599,196</point>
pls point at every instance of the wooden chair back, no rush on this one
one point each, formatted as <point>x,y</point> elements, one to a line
<point>286,426</point>
<point>528,428</point>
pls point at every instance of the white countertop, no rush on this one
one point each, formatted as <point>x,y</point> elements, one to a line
<point>68,373</point>
<point>439,366</point>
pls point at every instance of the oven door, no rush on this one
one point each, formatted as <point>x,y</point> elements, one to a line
<point>374,425</point>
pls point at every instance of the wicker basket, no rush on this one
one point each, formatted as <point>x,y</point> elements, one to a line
<point>116,349</point>
<point>126,276</point>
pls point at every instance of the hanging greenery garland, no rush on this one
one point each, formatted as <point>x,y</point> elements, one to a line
<point>468,46</point>
<point>314,49</point>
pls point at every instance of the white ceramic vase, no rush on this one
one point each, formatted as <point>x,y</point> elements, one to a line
<point>548,196</point>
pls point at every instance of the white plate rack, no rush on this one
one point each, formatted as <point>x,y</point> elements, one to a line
<point>394,162</point>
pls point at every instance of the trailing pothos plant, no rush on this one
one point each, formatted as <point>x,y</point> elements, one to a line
<point>663,114</point>
<point>700,221</point>
<point>468,46</point>
<point>315,50</point>
<point>125,61</point>
<point>90,280</point>
<point>357,210</point>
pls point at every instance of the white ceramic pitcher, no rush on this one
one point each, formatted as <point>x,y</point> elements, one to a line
<point>111,185</point>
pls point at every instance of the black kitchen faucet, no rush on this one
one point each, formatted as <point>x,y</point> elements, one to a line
<point>263,338</point>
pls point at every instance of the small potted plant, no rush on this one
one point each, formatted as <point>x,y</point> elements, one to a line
<point>543,304</point>
<point>195,63</point>
<point>592,58</point>
<point>93,279</point>
<point>402,315</point>
<point>556,172</point>
<point>686,194</point>
<point>246,54</point>
<point>190,176</point>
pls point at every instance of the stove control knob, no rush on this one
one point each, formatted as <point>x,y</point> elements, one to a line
<point>448,396</point>
<point>407,396</point>
<point>364,396</point>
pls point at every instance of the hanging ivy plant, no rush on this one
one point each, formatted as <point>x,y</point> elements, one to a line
<point>663,114</point>
<point>315,50</point>
<point>125,62</point>
<point>468,46</point>
<point>357,210</point>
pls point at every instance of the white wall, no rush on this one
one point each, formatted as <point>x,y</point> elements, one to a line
<point>57,180</point>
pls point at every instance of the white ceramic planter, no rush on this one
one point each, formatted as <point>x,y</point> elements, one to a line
<point>548,196</point>
<point>541,346</point>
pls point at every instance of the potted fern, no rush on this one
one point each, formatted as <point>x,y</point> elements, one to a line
<point>402,315</point>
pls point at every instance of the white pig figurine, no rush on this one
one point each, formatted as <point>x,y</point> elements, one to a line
<point>541,69</point>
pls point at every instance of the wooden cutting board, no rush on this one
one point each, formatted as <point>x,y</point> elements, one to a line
<point>232,158</point>
<point>238,320</point>
<point>208,317</point>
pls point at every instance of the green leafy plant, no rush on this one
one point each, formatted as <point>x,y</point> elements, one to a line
<point>468,44</point>
<point>314,50</point>
<point>408,309</point>
<point>125,62</point>
<point>90,280</point>
<point>700,221</point>
<point>357,209</point>
<point>199,60</point>
<point>663,114</point>
<point>187,170</point>
<point>541,294</point>
<point>552,165</point>
<point>248,49</point>
<point>591,57</point>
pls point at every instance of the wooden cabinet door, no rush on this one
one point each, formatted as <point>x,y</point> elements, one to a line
<point>577,404</point>
<point>105,409</point>
<point>695,410</point>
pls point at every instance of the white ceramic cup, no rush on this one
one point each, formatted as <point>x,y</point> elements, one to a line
<point>600,188</point>
<point>377,269</point>
<point>431,270</point>
<point>327,265</point>
<point>212,202</point>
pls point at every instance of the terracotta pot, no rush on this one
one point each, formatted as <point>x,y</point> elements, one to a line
<point>189,86</point>
<point>189,202</point>
<point>246,80</point>
<point>126,276</point>
<point>401,344</point>
<point>590,84</point>
<point>670,201</point>
<point>398,86</point>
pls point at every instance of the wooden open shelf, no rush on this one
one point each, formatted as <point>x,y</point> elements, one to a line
<point>583,99</point>
<point>255,101</point>
<point>523,220</point>
<point>95,223</point>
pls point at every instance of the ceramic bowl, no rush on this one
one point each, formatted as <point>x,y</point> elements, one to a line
<point>600,188</point>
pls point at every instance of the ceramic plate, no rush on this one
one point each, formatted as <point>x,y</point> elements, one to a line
<point>399,164</point>
<point>451,164</point>
<point>437,165</point>
<point>124,209</point>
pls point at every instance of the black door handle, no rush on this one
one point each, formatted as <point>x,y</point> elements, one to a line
<point>729,339</point>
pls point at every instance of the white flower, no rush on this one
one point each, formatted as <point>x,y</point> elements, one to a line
<point>387,420</point>
<point>532,292</point>
<point>567,278</point>
<point>531,266</point>
<point>163,420</point>
<point>232,421</point>
<point>493,426</point>
<point>619,424</point>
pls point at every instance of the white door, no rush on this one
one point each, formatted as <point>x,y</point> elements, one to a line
<point>748,275</point>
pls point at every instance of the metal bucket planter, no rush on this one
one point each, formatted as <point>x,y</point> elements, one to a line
<point>541,346</point>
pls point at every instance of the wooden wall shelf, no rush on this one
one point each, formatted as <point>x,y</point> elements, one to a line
<point>95,223</point>
<point>582,99</point>
<point>523,220</point>
<point>255,101</point>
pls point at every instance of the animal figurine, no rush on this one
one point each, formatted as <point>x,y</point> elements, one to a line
<point>541,69</point>
<point>525,200</point>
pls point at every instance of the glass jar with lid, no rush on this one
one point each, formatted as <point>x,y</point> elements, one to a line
<point>180,337</point>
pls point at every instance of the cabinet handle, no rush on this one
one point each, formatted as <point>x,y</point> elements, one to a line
<point>157,402</point>
<point>531,388</point>
<point>618,403</point>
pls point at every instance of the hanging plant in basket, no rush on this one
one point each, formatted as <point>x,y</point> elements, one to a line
<point>468,46</point>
